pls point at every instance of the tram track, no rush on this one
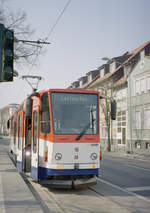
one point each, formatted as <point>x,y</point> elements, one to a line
<point>49,198</point>
<point>46,199</point>
<point>63,200</point>
<point>100,198</point>
<point>54,200</point>
<point>37,191</point>
<point>84,199</point>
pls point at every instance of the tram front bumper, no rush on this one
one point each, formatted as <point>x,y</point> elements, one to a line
<point>84,182</point>
<point>70,183</point>
<point>57,183</point>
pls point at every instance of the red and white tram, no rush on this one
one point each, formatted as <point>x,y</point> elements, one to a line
<point>55,137</point>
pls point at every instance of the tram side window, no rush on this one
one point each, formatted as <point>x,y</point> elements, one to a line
<point>19,132</point>
<point>45,115</point>
<point>34,131</point>
<point>15,131</point>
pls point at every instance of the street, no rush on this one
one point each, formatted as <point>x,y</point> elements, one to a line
<point>130,174</point>
<point>123,186</point>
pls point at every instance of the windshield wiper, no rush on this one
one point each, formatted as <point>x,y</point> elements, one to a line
<point>86,127</point>
<point>83,131</point>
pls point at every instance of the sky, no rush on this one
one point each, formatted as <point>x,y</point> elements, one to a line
<point>87,31</point>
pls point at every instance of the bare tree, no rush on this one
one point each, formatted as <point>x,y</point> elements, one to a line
<point>106,109</point>
<point>105,104</point>
<point>22,31</point>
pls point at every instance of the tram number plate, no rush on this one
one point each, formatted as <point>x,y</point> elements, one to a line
<point>76,157</point>
<point>76,166</point>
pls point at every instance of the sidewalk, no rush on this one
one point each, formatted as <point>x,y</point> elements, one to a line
<point>15,196</point>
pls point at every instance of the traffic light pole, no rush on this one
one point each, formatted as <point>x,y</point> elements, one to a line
<point>6,54</point>
<point>1,27</point>
<point>34,42</point>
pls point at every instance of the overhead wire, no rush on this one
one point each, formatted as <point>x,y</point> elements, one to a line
<point>50,33</point>
<point>58,19</point>
<point>53,27</point>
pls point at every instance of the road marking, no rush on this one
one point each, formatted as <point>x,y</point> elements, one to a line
<point>136,167</point>
<point>2,206</point>
<point>124,190</point>
<point>142,188</point>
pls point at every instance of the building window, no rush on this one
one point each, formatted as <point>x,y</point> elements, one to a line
<point>119,123</point>
<point>124,113</point>
<point>123,123</point>
<point>137,145</point>
<point>143,85</point>
<point>138,120</point>
<point>119,113</point>
<point>45,116</point>
<point>137,87</point>
<point>124,93</point>
<point>148,83</point>
<point>121,127</point>
<point>89,78</point>
<point>147,119</point>
<point>102,73</point>
<point>112,67</point>
<point>80,83</point>
<point>148,145</point>
<point>119,141</point>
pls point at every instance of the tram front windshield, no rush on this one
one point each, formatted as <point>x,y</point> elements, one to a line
<point>74,113</point>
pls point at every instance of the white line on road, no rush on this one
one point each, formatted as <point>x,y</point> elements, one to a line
<point>136,167</point>
<point>2,206</point>
<point>142,188</point>
<point>124,190</point>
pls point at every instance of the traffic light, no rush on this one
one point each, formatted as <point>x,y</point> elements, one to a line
<point>113,109</point>
<point>6,54</point>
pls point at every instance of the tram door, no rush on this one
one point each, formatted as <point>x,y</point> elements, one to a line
<point>20,141</point>
<point>35,145</point>
<point>26,167</point>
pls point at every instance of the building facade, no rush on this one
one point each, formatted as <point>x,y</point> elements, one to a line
<point>5,115</point>
<point>126,79</point>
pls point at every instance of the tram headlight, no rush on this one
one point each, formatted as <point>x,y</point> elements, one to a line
<point>94,156</point>
<point>58,156</point>
<point>28,153</point>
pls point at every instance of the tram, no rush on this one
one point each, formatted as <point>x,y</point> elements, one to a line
<point>55,137</point>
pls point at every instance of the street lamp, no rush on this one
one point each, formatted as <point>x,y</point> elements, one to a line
<point>129,87</point>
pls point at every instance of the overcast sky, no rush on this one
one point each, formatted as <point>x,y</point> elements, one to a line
<point>87,31</point>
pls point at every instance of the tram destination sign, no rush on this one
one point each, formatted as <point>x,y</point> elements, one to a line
<point>74,98</point>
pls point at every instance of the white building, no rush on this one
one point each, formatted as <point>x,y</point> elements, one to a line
<point>127,79</point>
<point>5,115</point>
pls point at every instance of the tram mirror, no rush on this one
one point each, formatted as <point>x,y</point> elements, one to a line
<point>8,124</point>
<point>113,110</point>
<point>29,107</point>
